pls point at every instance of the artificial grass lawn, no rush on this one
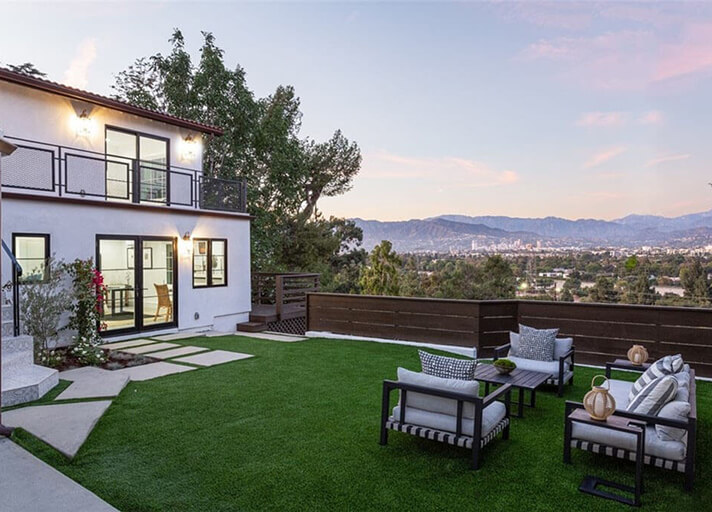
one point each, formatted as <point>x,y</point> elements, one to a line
<point>297,426</point>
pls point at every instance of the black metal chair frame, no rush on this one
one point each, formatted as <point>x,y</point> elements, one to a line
<point>690,426</point>
<point>501,351</point>
<point>480,403</point>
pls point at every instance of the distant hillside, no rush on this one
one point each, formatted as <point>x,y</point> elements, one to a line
<point>459,232</point>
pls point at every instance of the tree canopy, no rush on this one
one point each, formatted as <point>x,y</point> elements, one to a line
<point>286,174</point>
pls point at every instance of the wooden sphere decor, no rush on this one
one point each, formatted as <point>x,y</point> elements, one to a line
<point>637,355</point>
<point>598,402</point>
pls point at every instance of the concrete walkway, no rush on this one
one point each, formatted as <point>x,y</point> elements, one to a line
<point>29,485</point>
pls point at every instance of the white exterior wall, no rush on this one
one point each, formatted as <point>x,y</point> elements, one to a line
<point>41,116</point>
<point>73,229</point>
<point>49,118</point>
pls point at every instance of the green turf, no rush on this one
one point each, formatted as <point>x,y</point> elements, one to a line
<point>296,428</point>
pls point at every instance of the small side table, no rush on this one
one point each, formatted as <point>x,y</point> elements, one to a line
<point>624,364</point>
<point>590,483</point>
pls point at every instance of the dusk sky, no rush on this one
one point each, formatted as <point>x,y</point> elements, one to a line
<point>534,109</point>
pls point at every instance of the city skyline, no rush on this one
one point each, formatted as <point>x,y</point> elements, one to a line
<point>527,110</point>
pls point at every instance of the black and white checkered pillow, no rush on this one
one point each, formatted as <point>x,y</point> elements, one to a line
<point>536,344</point>
<point>447,367</point>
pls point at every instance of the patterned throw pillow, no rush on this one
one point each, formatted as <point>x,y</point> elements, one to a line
<point>668,365</point>
<point>536,344</point>
<point>654,396</point>
<point>447,367</point>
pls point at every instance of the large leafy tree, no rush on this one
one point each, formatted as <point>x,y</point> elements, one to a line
<point>693,277</point>
<point>286,175</point>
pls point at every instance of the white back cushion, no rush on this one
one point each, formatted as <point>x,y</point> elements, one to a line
<point>436,403</point>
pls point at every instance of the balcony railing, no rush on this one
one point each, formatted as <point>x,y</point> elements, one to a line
<point>51,169</point>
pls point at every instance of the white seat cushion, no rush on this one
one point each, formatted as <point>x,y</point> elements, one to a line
<point>435,403</point>
<point>654,446</point>
<point>491,416</point>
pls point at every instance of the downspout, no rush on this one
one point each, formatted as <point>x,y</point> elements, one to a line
<point>6,148</point>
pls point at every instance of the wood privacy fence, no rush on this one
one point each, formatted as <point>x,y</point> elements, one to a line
<point>601,332</point>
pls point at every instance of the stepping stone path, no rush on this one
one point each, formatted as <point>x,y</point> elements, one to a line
<point>63,426</point>
<point>149,348</point>
<point>213,357</point>
<point>287,338</point>
<point>66,426</point>
<point>153,370</point>
<point>27,485</point>
<point>91,382</point>
<point>176,352</point>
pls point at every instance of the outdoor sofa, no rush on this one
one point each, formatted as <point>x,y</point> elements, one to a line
<point>560,368</point>
<point>670,438</point>
<point>445,410</point>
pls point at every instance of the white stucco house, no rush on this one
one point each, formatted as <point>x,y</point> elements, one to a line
<point>96,177</point>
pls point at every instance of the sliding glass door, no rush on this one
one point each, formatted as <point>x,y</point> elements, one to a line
<point>140,274</point>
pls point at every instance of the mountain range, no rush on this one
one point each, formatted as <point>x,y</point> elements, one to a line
<point>461,232</point>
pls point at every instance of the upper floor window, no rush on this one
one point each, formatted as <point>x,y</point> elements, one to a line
<point>209,262</point>
<point>136,166</point>
<point>31,252</point>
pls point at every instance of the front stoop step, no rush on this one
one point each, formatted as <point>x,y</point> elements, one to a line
<point>22,380</point>
<point>252,327</point>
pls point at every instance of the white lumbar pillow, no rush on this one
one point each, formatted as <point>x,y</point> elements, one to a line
<point>675,410</point>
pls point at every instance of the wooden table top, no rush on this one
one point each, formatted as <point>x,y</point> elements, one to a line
<point>518,378</point>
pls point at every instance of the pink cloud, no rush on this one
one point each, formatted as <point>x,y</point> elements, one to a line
<point>691,54</point>
<point>602,119</point>
<point>651,117</point>
<point>603,156</point>
<point>666,158</point>
<point>460,172</point>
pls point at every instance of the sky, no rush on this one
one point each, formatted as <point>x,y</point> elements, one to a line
<point>577,110</point>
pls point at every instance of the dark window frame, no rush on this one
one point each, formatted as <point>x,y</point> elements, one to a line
<point>46,238</point>
<point>209,266</point>
<point>135,192</point>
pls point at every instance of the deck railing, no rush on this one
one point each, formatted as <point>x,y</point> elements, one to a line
<point>601,332</point>
<point>49,169</point>
<point>286,291</point>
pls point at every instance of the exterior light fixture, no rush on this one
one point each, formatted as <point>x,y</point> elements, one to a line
<point>185,245</point>
<point>84,124</point>
<point>190,147</point>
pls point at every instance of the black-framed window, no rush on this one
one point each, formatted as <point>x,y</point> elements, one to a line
<point>31,250</point>
<point>209,262</point>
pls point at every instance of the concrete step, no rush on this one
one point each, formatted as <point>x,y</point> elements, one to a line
<point>6,312</point>
<point>12,344</point>
<point>252,326</point>
<point>32,383</point>
<point>8,329</point>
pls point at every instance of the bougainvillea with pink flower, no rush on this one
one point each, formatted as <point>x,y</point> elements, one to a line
<point>86,311</point>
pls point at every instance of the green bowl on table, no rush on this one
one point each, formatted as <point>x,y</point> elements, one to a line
<point>504,366</point>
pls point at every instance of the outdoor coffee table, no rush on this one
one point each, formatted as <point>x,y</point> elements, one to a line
<point>521,379</point>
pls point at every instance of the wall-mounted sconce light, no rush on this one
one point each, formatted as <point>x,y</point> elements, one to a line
<point>84,124</point>
<point>190,147</point>
<point>185,245</point>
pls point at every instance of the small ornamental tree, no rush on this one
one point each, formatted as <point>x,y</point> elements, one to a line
<point>89,291</point>
<point>41,307</point>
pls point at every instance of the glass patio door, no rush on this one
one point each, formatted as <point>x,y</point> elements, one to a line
<point>140,277</point>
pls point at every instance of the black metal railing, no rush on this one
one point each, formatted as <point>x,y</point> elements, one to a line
<point>73,172</point>
<point>16,273</point>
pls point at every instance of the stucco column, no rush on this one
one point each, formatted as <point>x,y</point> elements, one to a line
<point>5,149</point>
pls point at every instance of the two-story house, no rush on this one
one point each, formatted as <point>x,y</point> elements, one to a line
<point>100,178</point>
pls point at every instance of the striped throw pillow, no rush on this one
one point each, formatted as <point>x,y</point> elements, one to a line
<point>654,396</point>
<point>667,365</point>
<point>447,367</point>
